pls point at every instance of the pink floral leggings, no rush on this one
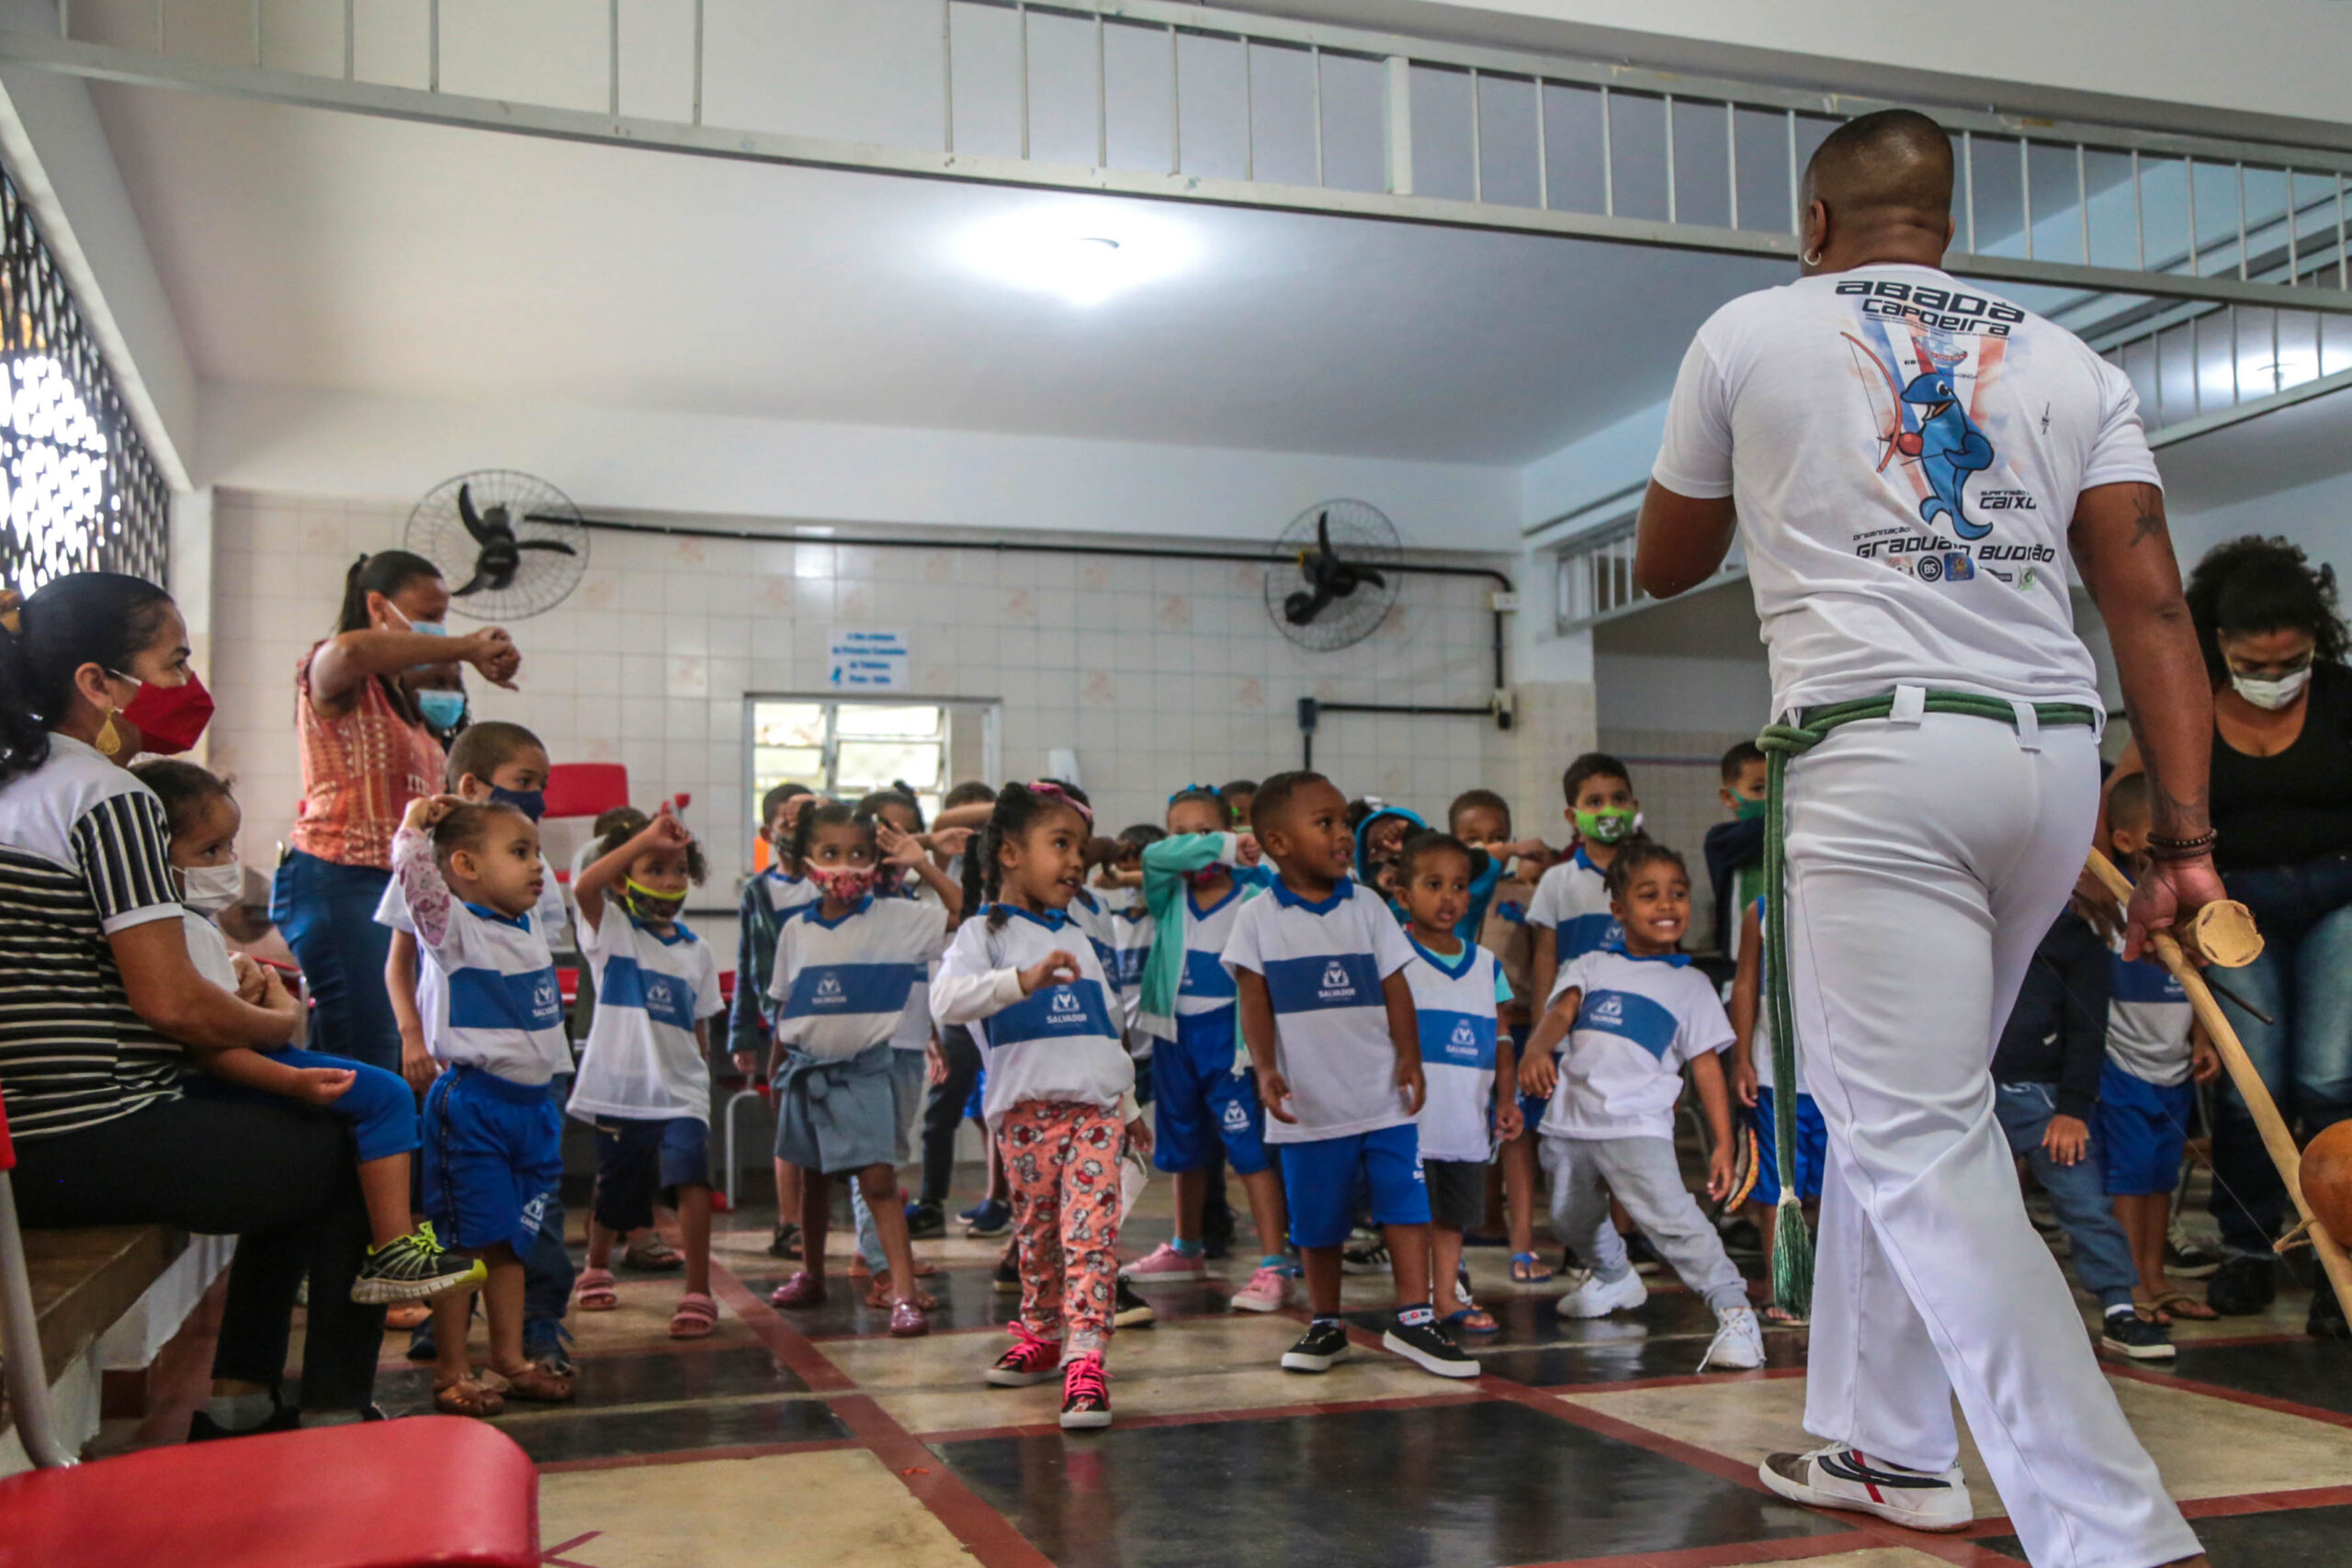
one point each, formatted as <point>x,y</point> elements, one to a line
<point>1062,1160</point>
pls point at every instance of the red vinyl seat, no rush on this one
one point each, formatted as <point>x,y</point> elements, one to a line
<point>586,789</point>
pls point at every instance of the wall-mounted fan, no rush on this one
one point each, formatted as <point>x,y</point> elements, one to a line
<point>511,545</point>
<point>1338,576</point>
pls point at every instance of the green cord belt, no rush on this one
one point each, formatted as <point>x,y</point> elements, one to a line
<point>1792,1243</point>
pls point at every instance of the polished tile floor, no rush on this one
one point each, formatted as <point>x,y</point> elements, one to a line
<point>811,1439</point>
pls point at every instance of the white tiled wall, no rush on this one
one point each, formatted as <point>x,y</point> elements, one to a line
<point>1156,673</point>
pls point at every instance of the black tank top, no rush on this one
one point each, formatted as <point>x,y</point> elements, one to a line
<point>2297,806</point>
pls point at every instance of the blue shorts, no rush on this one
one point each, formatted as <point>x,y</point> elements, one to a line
<point>638,1157</point>
<point>1813,1148</point>
<point>2144,1129</point>
<point>379,1105</point>
<point>1319,1183</point>
<point>494,1154</point>
<point>1197,1096</point>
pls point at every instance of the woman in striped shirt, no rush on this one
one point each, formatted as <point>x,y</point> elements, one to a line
<point>99,995</point>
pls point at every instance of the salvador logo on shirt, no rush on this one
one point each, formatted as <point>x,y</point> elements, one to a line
<point>1630,1017</point>
<point>1457,1039</point>
<point>1073,1010</point>
<point>1332,980</point>
<point>666,998</point>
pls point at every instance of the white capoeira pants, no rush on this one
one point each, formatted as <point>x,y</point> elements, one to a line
<point>1927,861</point>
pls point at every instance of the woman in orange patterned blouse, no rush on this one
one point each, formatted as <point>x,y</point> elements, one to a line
<point>366,752</point>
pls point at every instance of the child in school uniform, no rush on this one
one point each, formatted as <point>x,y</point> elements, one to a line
<point>1631,1017</point>
<point>844,968</point>
<point>1327,1016</point>
<point>1755,1085</point>
<point>644,1081</point>
<point>2156,1056</point>
<point>1735,848</point>
<point>405,1262</point>
<point>750,1022</point>
<point>1202,1099</point>
<point>1119,884</point>
<point>1458,989</point>
<point>1500,898</point>
<point>1030,984</point>
<point>468,877</point>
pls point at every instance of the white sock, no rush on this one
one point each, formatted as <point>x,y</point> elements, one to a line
<point>235,1412</point>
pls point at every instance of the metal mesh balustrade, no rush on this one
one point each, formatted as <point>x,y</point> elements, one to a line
<point>79,487</point>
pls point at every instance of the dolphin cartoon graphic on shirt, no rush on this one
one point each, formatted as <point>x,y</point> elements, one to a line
<point>1928,425</point>
<point>1948,445</point>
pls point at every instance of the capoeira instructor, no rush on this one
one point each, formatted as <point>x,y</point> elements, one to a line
<point>1904,458</point>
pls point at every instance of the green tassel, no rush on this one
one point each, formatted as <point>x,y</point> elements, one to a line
<point>1792,1258</point>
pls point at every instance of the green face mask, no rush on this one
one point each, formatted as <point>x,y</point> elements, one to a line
<point>1609,825</point>
<point>1749,810</point>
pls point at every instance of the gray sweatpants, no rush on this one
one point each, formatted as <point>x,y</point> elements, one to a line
<point>1642,1174</point>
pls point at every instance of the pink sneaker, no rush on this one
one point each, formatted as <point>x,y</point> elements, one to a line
<point>1166,1263</point>
<point>1268,1290</point>
<point>1030,1361</point>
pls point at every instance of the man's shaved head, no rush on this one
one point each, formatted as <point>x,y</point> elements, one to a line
<point>1885,176</point>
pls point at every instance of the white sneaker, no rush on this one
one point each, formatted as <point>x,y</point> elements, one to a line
<point>1836,1476</point>
<point>1738,1344</point>
<point>1597,1297</point>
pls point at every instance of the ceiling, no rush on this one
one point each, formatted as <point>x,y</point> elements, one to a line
<point>314,249</point>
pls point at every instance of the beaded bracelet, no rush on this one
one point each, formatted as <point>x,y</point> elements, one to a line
<point>2165,849</point>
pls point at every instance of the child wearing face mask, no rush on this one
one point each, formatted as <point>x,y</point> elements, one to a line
<point>751,1024</point>
<point>644,1081</point>
<point>1031,985</point>
<point>845,968</point>
<point>404,1264</point>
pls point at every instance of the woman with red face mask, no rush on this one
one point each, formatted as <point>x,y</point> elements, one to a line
<point>94,671</point>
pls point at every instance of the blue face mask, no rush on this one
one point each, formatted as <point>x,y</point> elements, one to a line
<point>531,803</point>
<point>428,629</point>
<point>442,710</point>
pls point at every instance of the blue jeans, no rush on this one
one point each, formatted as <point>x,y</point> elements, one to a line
<point>327,913</point>
<point>2303,979</point>
<point>2077,1191</point>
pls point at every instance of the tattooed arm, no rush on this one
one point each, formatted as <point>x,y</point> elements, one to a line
<point>2124,552</point>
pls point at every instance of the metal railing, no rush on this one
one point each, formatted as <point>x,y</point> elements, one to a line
<point>1593,576</point>
<point>1186,102</point>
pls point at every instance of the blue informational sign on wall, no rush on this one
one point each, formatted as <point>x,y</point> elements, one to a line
<point>863,659</point>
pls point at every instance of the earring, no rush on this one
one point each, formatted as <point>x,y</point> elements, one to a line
<point>109,741</point>
<point>1811,257</point>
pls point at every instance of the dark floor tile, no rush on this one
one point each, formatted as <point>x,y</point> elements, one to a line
<point>574,1434</point>
<point>1631,1359</point>
<point>2254,1540</point>
<point>651,1378</point>
<point>2310,1371</point>
<point>1531,1320</point>
<point>1464,1487</point>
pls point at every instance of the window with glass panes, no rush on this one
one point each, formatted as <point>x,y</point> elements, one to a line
<point>846,749</point>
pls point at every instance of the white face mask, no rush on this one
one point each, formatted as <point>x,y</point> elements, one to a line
<point>211,888</point>
<point>2272,694</point>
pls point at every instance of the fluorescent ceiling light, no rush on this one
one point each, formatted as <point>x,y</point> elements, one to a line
<point>1083,253</point>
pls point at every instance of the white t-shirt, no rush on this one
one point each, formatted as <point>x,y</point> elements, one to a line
<point>1324,962</point>
<point>1572,902</point>
<point>488,996</point>
<point>549,914</point>
<point>844,986</point>
<point>1455,1000</point>
<point>1639,1020</point>
<point>642,1059</point>
<point>1904,451</point>
<point>1131,928</point>
<point>1062,1044</point>
<point>208,951</point>
<point>2148,1019</point>
<point>1206,986</point>
<point>913,1032</point>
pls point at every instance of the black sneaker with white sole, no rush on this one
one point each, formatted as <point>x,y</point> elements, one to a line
<point>2128,1333</point>
<point>1007,1278</point>
<point>1427,1345</point>
<point>1365,1252</point>
<point>1322,1346</point>
<point>1129,1310</point>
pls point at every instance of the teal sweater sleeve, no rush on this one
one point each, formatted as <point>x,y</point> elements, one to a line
<point>1165,866</point>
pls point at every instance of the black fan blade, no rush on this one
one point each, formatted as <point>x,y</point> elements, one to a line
<point>1369,575</point>
<point>474,585</point>
<point>1300,609</point>
<point>1323,532</point>
<point>556,545</point>
<point>472,519</point>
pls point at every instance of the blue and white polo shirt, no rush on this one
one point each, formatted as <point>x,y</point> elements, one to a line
<point>642,1060</point>
<point>1456,1000</point>
<point>1206,986</point>
<point>1063,1041</point>
<point>1324,961</point>
<point>842,985</point>
<point>488,997</point>
<point>2148,1019</point>
<point>1572,903</point>
<point>1638,1021</point>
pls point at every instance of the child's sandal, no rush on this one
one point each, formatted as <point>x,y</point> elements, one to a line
<point>1526,1268</point>
<point>467,1396</point>
<point>696,1317</point>
<point>1472,1320</point>
<point>538,1385</point>
<point>597,1292</point>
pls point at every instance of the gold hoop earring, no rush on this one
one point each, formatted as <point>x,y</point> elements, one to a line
<point>109,739</point>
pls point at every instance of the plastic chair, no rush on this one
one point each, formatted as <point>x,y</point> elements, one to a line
<point>586,789</point>
<point>426,1491</point>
